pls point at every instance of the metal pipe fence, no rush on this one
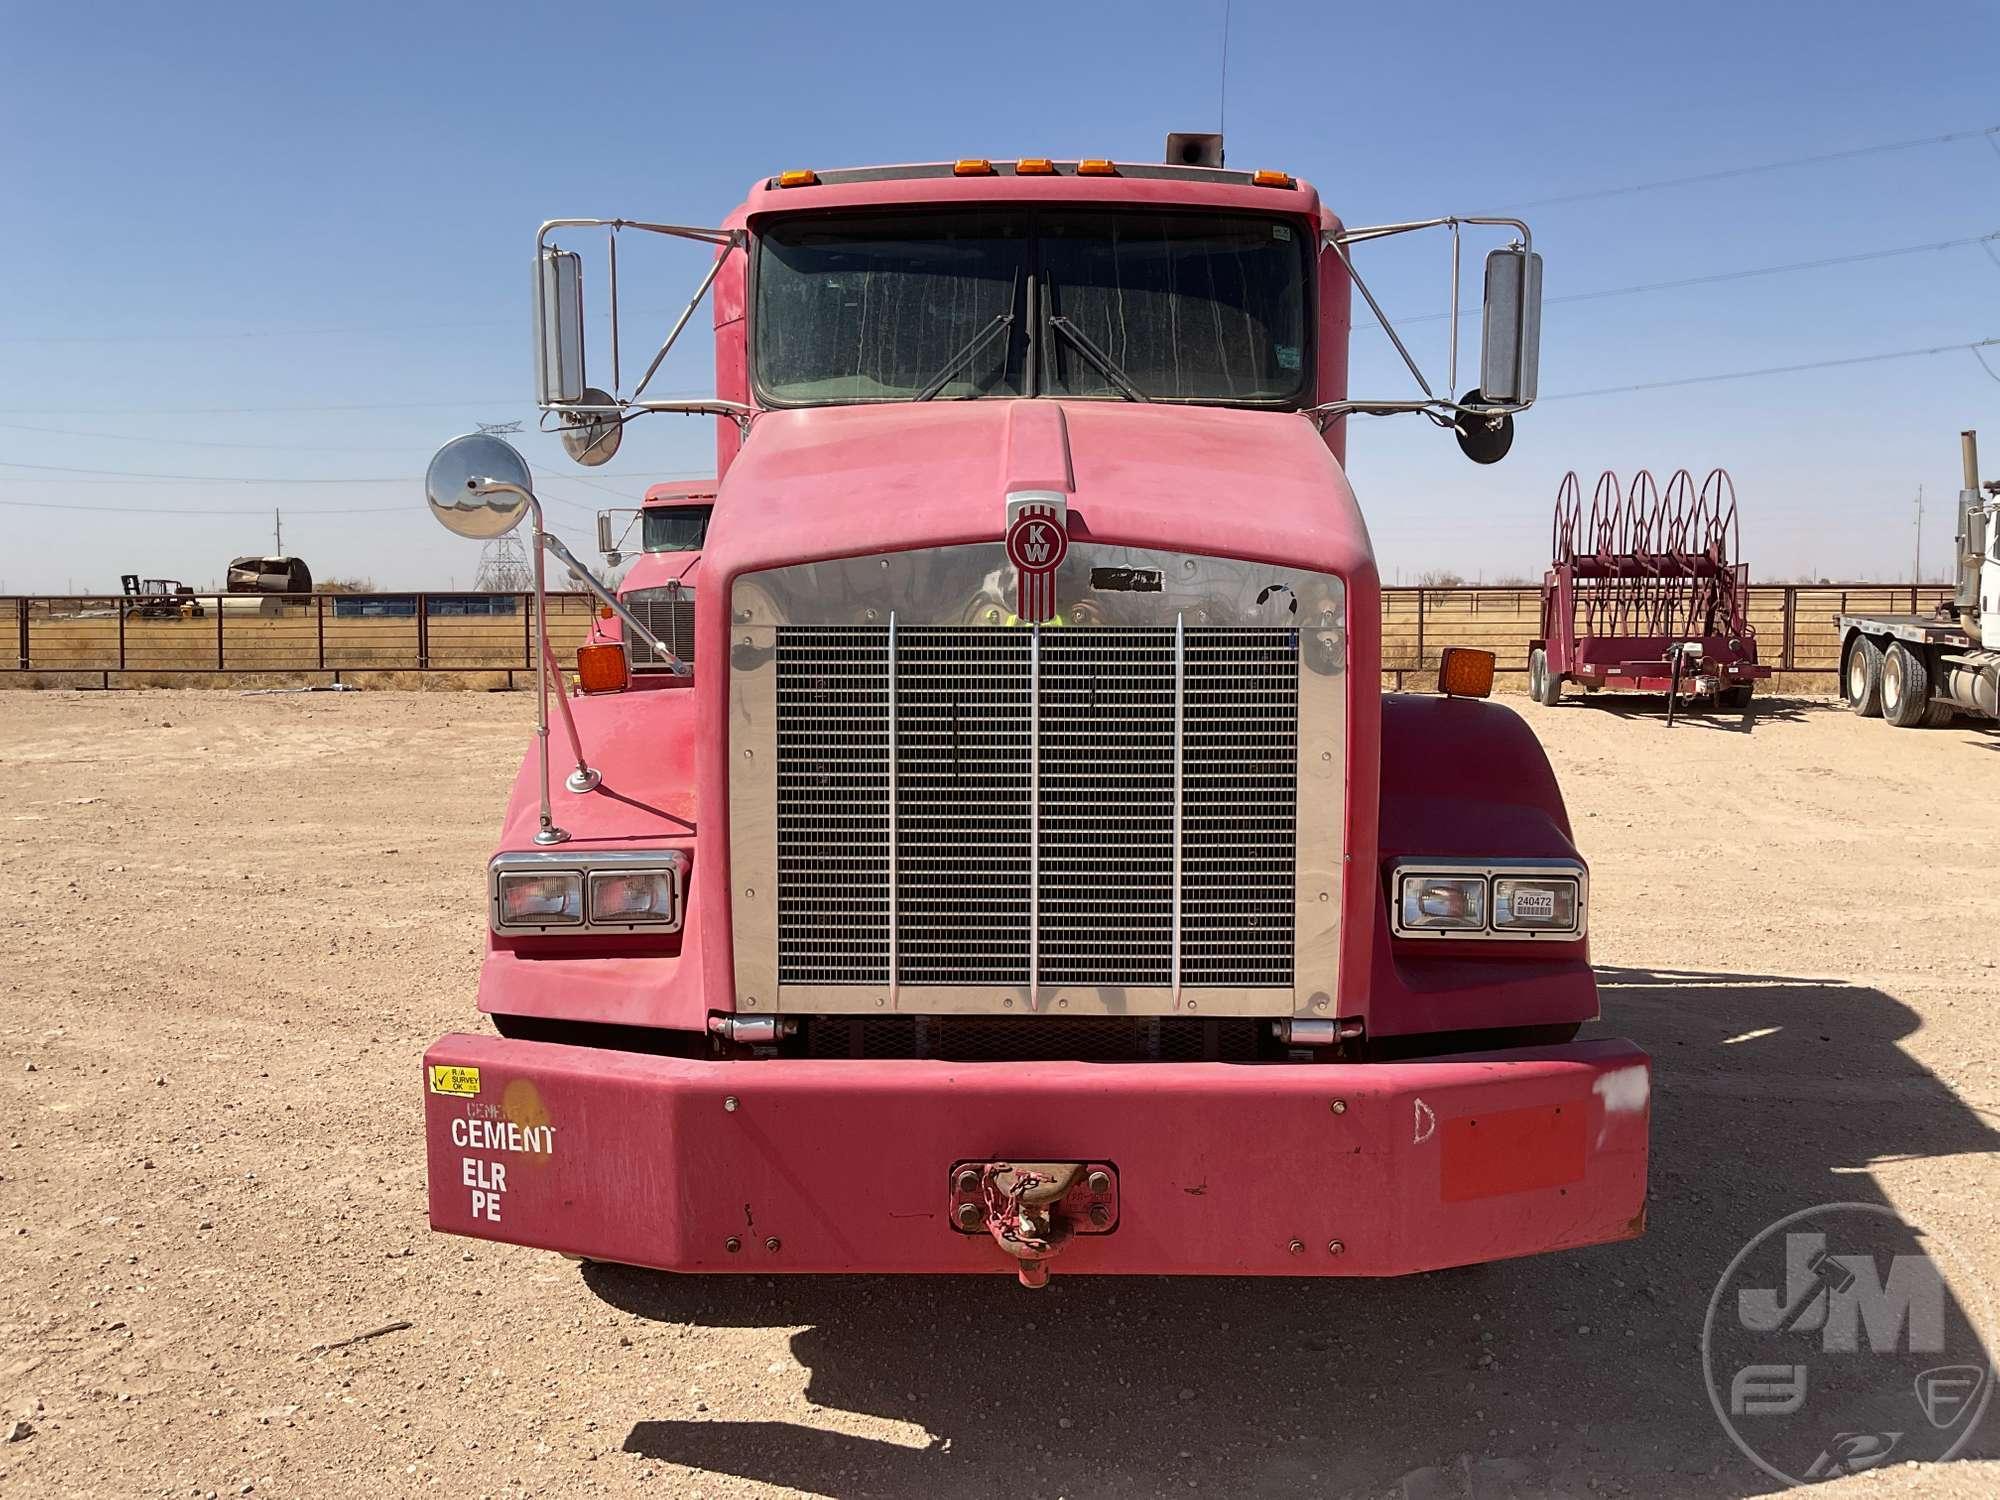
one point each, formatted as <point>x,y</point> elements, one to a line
<point>285,633</point>
<point>484,632</point>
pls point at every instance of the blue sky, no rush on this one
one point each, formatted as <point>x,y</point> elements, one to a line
<point>293,248</point>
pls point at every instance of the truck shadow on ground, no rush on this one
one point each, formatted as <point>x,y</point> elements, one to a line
<point>1741,721</point>
<point>1578,1373</point>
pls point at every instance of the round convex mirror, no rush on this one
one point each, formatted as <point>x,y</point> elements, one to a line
<point>478,486</point>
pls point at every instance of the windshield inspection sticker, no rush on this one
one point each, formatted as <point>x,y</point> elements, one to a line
<point>1288,356</point>
<point>447,1078</point>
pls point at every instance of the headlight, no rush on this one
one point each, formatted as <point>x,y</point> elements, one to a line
<point>1501,899</point>
<point>1445,902</point>
<point>535,900</point>
<point>635,898</point>
<point>588,891</point>
<point>1526,904</point>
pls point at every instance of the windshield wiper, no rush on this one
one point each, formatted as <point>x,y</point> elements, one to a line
<point>1106,365</point>
<point>965,355</point>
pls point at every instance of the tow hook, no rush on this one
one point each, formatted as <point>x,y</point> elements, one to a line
<point>1032,1208</point>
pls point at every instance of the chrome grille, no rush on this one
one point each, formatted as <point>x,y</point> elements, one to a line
<point>1095,807</point>
<point>833,806</point>
<point>669,614</point>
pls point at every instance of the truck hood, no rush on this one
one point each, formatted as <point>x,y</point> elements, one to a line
<point>653,570</point>
<point>849,480</point>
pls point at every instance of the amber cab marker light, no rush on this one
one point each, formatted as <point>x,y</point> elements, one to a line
<point>801,177</point>
<point>1465,673</point>
<point>1273,179</point>
<point>972,166</point>
<point>1096,166</point>
<point>1035,166</point>
<point>602,668</point>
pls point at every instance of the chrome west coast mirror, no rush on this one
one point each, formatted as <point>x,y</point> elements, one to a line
<point>478,486</point>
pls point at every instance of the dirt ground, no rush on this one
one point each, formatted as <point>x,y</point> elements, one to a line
<point>229,925</point>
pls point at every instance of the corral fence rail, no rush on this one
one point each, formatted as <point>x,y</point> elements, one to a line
<point>493,632</point>
<point>286,633</point>
<point>1794,622</point>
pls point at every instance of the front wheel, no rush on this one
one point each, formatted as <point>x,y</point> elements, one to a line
<point>1863,678</point>
<point>1906,686</point>
<point>1543,686</point>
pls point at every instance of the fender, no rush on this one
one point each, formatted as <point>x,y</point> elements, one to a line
<point>643,746</point>
<point>1466,777</point>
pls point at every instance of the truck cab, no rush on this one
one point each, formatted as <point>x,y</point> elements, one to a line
<point>659,586</point>
<point>1035,874</point>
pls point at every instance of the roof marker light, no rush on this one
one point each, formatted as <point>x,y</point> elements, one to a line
<point>1096,166</point>
<point>800,177</point>
<point>1034,166</point>
<point>1274,179</point>
<point>972,166</point>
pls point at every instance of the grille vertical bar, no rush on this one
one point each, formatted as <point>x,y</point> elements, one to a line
<point>963,806</point>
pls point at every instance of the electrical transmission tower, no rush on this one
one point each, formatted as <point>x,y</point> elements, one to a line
<point>503,562</point>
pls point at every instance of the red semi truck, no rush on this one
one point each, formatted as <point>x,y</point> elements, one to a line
<point>1032,872</point>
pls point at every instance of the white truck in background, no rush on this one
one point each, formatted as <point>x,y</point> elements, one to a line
<point>1925,669</point>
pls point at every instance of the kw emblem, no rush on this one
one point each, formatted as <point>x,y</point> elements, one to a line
<point>1037,542</point>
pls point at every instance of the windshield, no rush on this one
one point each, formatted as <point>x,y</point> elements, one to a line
<point>674,528</point>
<point>1083,302</point>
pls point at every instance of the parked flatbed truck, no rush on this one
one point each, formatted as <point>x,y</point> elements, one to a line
<point>1925,669</point>
<point>1033,872</point>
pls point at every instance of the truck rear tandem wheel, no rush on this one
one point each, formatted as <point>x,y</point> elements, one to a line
<point>1861,677</point>
<point>1906,685</point>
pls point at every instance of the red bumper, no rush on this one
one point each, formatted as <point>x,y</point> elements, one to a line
<point>828,1166</point>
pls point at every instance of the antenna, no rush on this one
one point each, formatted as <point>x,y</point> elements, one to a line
<point>1222,91</point>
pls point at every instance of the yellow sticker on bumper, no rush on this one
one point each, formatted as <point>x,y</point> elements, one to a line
<point>448,1078</point>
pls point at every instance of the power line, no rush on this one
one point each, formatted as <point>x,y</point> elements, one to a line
<point>183,510</point>
<point>286,479</point>
<point>1818,364</point>
<point>230,411</point>
<point>170,442</point>
<point>1985,241</point>
<point>1988,134</point>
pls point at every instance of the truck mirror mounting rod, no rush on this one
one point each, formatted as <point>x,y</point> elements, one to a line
<point>559,351</point>
<point>1510,354</point>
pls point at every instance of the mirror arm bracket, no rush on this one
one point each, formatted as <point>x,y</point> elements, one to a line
<point>611,602</point>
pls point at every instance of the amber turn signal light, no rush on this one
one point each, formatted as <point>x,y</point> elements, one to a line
<point>1465,673</point>
<point>1096,166</point>
<point>972,166</point>
<point>1035,166</point>
<point>798,178</point>
<point>602,668</point>
<point>1273,179</point>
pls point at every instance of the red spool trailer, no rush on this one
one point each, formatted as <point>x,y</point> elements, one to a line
<point>1645,593</point>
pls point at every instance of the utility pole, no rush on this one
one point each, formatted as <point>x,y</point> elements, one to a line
<point>1917,567</point>
<point>278,526</point>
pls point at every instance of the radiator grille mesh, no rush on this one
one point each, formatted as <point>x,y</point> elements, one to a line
<point>670,616</point>
<point>1015,799</point>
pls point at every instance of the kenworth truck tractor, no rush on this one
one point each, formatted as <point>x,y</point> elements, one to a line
<point>1031,873</point>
